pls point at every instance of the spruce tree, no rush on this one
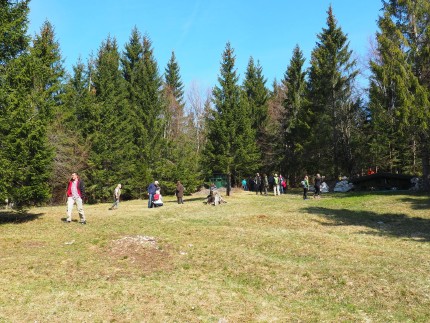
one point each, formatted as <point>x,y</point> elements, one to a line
<point>13,29</point>
<point>296,117</point>
<point>389,86</point>
<point>34,79</point>
<point>174,94</point>
<point>173,79</point>
<point>152,108</point>
<point>331,79</point>
<point>132,69</point>
<point>147,102</point>
<point>111,150</point>
<point>181,150</point>
<point>398,91</point>
<point>257,95</point>
<point>230,148</point>
<point>14,42</point>
<point>131,61</point>
<point>274,154</point>
<point>254,86</point>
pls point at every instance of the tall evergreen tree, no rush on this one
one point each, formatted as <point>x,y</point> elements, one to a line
<point>112,149</point>
<point>48,75</point>
<point>13,29</point>
<point>148,109</point>
<point>274,154</point>
<point>296,118</point>
<point>181,150</point>
<point>131,62</point>
<point>400,86</point>
<point>257,95</point>
<point>173,79</point>
<point>13,42</point>
<point>174,93</point>
<point>153,107</point>
<point>254,85</point>
<point>331,79</point>
<point>230,147</point>
<point>34,78</point>
<point>132,68</point>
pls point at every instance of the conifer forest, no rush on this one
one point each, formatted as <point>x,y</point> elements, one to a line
<point>119,117</point>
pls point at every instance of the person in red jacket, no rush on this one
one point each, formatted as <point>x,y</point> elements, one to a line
<point>75,193</point>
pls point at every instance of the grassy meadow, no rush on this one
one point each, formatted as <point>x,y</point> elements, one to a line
<point>356,257</point>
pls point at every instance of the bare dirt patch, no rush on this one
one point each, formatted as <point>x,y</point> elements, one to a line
<point>264,219</point>
<point>142,251</point>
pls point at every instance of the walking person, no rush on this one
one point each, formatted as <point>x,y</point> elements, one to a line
<point>305,184</point>
<point>180,192</point>
<point>317,185</point>
<point>75,193</point>
<point>152,189</point>
<point>116,195</point>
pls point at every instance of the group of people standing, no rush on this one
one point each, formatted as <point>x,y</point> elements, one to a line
<point>263,183</point>
<point>155,198</point>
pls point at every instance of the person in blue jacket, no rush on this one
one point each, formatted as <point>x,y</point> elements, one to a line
<point>152,189</point>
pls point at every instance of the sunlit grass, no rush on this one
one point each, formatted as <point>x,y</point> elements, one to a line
<point>346,257</point>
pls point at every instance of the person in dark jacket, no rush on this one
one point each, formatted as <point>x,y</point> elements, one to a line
<point>152,189</point>
<point>317,185</point>
<point>75,193</point>
<point>180,192</point>
<point>265,184</point>
<point>257,183</point>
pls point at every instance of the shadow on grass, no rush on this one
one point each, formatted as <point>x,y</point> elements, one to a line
<point>369,193</point>
<point>17,217</point>
<point>418,202</point>
<point>389,224</point>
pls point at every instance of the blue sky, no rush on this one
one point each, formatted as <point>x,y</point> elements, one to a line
<point>197,31</point>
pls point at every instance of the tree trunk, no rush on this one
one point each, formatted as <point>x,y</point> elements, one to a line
<point>228,184</point>
<point>426,169</point>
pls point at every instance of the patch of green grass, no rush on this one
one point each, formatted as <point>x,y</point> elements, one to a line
<point>345,257</point>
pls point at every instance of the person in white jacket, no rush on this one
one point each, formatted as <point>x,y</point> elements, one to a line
<point>116,195</point>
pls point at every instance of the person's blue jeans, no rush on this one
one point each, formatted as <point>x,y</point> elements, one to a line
<point>150,199</point>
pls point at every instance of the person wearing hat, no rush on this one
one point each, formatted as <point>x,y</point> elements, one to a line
<point>152,189</point>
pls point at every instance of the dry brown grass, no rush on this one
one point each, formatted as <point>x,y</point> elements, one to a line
<point>355,257</point>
